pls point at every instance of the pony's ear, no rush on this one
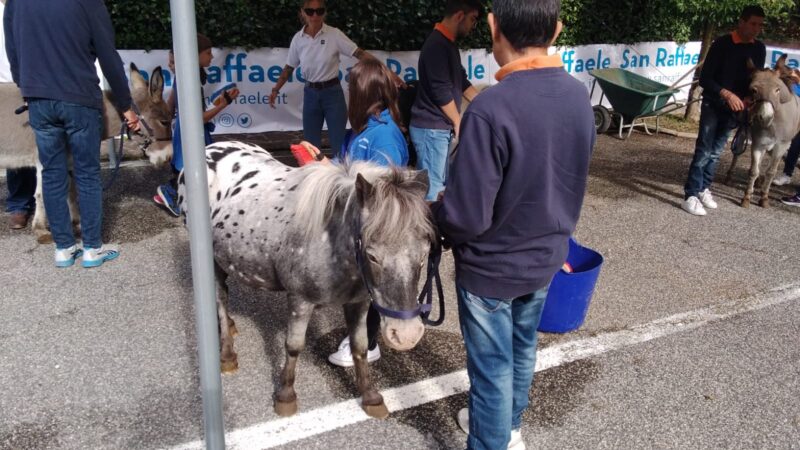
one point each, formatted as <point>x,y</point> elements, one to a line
<point>156,84</point>
<point>419,181</point>
<point>364,190</point>
<point>137,80</point>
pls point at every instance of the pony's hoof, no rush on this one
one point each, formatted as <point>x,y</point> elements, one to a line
<point>229,367</point>
<point>44,238</point>
<point>285,409</point>
<point>764,203</point>
<point>745,203</point>
<point>378,411</point>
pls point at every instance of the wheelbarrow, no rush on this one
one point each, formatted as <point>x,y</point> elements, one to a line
<point>633,99</point>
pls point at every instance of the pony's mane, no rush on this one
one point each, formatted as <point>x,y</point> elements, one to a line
<point>397,206</point>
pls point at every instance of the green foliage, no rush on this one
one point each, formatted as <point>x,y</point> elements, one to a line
<point>386,25</point>
<point>404,24</point>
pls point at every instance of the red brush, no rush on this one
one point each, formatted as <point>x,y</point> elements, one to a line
<point>302,154</point>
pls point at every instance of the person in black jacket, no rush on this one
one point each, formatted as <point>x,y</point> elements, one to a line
<point>435,116</point>
<point>725,81</point>
<point>52,46</point>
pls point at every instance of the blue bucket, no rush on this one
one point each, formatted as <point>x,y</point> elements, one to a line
<point>569,295</point>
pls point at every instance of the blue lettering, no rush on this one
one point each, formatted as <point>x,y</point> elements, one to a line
<point>411,74</point>
<point>661,57</point>
<point>479,71</point>
<point>567,58</point>
<point>299,75</point>
<point>237,67</point>
<point>394,65</point>
<point>273,73</point>
<point>625,61</point>
<point>791,62</point>
<point>214,74</point>
<point>256,74</point>
<point>634,61</point>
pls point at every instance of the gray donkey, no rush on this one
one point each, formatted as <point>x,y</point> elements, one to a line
<point>18,145</point>
<point>774,122</point>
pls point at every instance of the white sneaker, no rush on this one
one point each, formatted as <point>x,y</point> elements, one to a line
<point>781,179</point>
<point>344,358</point>
<point>515,443</point>
<point>692,205</point>
<point>66,257</point>
<point>95,257</point>
<point>707,200</point>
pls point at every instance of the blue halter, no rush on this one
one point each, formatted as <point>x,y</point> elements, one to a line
<point>425,299</point>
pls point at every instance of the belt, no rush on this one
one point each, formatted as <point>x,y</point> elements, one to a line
<point>322,84</point>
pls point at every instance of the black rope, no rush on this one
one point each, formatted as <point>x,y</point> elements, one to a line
<point>426,296</point>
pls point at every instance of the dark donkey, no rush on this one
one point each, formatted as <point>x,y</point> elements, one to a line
<point>774,122</point>
<point>328,234</point>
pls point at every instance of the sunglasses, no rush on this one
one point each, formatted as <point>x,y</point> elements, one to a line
<point>310,11</point>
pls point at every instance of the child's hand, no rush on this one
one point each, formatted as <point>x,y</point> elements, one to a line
<point>227,97</point>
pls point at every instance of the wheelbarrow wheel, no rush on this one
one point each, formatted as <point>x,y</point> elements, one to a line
<point>602,119</point>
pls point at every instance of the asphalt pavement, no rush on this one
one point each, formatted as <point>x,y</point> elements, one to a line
<point>106,357</point>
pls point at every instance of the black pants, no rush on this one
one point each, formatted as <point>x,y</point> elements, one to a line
<point>373,327</point>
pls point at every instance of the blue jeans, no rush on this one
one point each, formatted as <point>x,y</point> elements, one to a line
<point>324,105</point>
<point>61,128</point>
<point>177,145</point>
<point>432,145</point>
<point>792,156</point>
<point>21,188</point>
<point>716,124</point>
<point>500,338</point>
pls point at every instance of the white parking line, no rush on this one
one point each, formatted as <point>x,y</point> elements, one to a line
<point>328,418</point>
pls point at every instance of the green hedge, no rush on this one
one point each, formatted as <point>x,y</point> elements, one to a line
<point>393,24</point>
<point>389,25</point>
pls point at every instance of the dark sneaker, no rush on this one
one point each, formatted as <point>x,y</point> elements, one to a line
<point>167,197</point>
<point>18,220</point>
<point>791,201</point>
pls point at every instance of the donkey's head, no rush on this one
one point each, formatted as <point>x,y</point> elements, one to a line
<point>769,89</point>
<point>397,233</point>
<point>155,136</point>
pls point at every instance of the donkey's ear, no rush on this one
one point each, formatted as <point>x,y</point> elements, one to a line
<point>364,190</point>
<point>786,94</point>
<point>137,80</point>
<point>750,66</point>
<point>780,65</point>
<point>156,84</point>
<point>419,181</point>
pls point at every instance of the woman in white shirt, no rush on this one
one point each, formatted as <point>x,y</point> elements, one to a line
<point>316,49</point>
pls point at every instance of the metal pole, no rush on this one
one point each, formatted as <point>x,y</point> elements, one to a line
<point>184,35</point>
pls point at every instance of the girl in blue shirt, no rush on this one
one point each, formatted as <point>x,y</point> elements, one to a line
<point>374,116</point>
<point>375,137</point>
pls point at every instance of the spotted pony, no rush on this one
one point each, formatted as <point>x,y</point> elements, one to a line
<point>297,229</point>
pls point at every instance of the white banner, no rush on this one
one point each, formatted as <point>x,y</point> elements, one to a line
<point>256,71</point>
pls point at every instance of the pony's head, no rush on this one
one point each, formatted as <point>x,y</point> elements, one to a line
<point>386,209</point>
<point>155,139</point>
<point>769,88</point>
<point>397,233</point>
